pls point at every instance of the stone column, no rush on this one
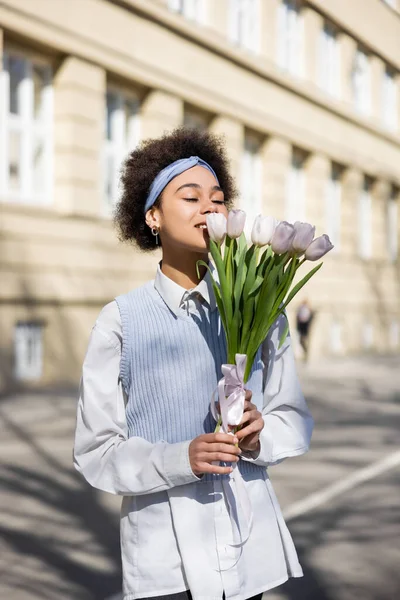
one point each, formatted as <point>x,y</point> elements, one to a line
<point>377,72</point>
<point>233,133</point>
<point>313,24</point>
<point>269,29</point>
<point>348,47</point>
<point>277,153</point>
<point>79,108</point>
<point>160,112</point>
<point>218,17</point>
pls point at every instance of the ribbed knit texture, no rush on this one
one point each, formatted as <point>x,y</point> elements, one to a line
<point>170,366</point>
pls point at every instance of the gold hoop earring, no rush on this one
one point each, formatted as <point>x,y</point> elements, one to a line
<point>155,231</point>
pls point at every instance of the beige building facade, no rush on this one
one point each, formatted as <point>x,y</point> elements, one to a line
<point>307,95</point>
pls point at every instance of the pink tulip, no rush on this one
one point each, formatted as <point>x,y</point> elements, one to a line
<point>318,248</point>
<point>303,236</point>
<point>283,237</point>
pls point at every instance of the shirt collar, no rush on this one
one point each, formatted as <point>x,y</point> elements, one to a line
<point>173,294</point>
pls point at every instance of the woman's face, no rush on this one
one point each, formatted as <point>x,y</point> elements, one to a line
<point>186,201</point>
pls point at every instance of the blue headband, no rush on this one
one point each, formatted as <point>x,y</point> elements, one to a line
<point>166,175</point>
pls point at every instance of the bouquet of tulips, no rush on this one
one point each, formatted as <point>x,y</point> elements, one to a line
<point>254,289</point>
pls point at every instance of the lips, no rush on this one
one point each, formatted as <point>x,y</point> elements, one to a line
<point>202,226</point>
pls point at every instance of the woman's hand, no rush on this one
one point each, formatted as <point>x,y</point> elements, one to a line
<point>213,447</point>
<point>252,424</point>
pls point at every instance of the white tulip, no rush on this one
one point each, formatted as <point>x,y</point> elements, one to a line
<point>216,226</point>
<point>235,224</point>
<point>263,230</point>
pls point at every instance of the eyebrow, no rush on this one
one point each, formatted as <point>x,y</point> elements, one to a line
<point>215,188</point>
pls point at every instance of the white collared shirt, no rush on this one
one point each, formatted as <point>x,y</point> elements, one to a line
<point>181,536</point>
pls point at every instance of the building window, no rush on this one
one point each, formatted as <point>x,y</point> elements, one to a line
<point>251,184</point>
<point>361,82</point>
<point>389,100</point>
<point>26,118</point>
<point>195,10</point>
<point>290,37</point>
<point>28,350</point>
<point>122,134</point>
<point>295,202</point>
<point>336,337</point>
<point>329,61</point>
<point>195,118</point>
<point>392,223</point>
<point>333,205</point>
<point>244,23</point>
<point>367,335</point>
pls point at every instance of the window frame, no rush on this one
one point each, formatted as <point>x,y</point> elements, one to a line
<point>193,10</point>
<point>389,105</point>
<point>244,24</point>
<point>194,118</point>
<point>28,127</point>
<point>296,184</point>
<point>362,92</point>
<point>118,148</point>
<point>290,37</point>
<point>392,223</point>
<point>329,53</point>
<point>365,218</point>
<point>333,205</point>
<point>23,371</point>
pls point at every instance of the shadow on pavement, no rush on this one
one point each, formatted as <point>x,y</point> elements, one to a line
<point>66,542</point>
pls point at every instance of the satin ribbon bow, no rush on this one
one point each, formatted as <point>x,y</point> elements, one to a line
<point>231,392</point>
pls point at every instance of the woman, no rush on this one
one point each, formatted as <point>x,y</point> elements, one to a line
<point>144,427</point>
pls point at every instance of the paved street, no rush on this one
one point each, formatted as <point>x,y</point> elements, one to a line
<point>59,538</point>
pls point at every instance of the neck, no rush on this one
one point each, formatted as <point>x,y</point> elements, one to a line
<point>181,267</point>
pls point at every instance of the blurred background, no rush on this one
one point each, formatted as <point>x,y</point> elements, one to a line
<point>307,95</point>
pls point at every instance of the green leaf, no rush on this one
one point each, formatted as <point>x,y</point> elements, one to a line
<point>225,292</point>
<point>256,285</point>
<point>301,283</point>
<point>217,294</point>
<point>284,334</point>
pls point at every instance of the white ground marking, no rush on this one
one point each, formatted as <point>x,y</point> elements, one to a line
<point>351,481</point>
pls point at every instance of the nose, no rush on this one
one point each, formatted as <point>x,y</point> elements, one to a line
<point>209,207</point>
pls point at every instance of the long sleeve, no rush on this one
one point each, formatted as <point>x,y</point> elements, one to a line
<point>103,453</point>
<point>288,422</point>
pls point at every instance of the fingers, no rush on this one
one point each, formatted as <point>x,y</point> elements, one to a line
<point>215,469</point>
<point>222,449</point>
<point>255,426</point>
<point>251,414</point>
<point>249,406</point>
<point>213,438</point>
<point>249,395</point>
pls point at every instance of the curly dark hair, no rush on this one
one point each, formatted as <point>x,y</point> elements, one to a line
<point>147,160</point>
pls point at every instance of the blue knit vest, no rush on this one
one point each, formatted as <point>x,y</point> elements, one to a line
<point>170,367</point>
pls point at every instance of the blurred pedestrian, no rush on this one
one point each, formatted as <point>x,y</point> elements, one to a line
<point>191,527</point>
<point>304,319</point>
